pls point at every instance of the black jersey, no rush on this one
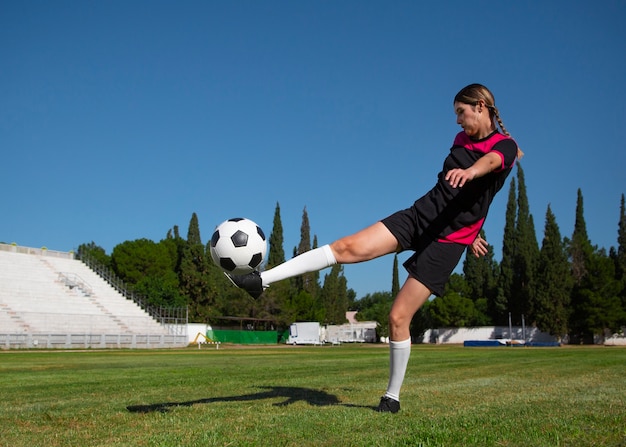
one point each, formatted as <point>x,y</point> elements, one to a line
<point>450,214</point>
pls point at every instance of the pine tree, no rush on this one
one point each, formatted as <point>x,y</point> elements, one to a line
<point>554,282</point>
<point>500,306</point>
<point>94,253</point>
<point>452,310</point>
<point>147,268</point>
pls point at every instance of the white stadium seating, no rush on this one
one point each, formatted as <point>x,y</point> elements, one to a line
<point>49,299</point>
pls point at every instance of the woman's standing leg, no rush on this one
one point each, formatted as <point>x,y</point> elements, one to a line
<point>411,297</point>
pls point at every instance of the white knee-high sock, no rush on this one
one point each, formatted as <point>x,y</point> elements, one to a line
<point>310,261</point>
<point>399,353</point>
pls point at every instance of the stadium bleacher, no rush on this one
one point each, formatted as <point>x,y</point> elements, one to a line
<point>48,298</point>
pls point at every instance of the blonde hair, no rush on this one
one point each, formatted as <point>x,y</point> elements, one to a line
<point>474,93</point>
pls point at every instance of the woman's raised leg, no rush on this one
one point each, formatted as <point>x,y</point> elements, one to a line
<point>369,243</point>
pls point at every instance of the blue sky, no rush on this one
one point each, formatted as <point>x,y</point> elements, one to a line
<point>119,119</point>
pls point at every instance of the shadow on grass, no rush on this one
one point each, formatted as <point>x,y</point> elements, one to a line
<point>291,395</point>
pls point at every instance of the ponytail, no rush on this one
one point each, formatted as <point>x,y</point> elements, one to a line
<point>496,115</point>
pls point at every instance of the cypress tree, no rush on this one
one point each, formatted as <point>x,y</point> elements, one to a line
<point>526,254</point>
<point>599,307</point>
<point>395,280</point>
<point>174,235</point>
<point>276,253</point>
<point>500,306</point>
<point>316,274</point>
<point>334,296</point>
<point>307,281</point>
<point>596,305</point>
<point>619,254</point>
<point>480,274</point>
<point>275,302</point>
<point>305,233</point>
<point>193,274</point>
<point>193,233</point>
<point>554,281</point>
<point>580,246</point>
<point>580,253</point>
<point>621,241</point>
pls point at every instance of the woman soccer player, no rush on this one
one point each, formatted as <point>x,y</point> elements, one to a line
<point>438,227</point>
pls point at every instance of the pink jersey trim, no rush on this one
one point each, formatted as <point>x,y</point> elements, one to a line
<point>483,146</point>
<point>465,235</point>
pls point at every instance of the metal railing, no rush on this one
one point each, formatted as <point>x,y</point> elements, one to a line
<point>73,281</point>
<point>171,317</point>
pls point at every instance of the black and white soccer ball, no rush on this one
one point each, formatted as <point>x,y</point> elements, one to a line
<point>238,246</point>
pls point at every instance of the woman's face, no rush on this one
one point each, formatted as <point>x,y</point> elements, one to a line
<point>474,119</point>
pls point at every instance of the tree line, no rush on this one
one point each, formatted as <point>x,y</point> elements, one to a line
<point>565,286</point>
<point>178,271</point>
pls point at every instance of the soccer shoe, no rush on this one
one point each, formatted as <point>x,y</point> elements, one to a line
<point>250,282</point>
<point>388,405</point>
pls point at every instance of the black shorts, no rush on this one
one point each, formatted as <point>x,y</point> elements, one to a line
<point>433,261</point>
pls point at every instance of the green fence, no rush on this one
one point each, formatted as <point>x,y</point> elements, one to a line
<point>243,337</point>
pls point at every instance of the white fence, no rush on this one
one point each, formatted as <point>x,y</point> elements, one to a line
<point>360,332</point>
<point>90,341</point>
<point>462,334</point>
<point>36,251</point>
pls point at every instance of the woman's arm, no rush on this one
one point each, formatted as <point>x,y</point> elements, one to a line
<point>483,166</point>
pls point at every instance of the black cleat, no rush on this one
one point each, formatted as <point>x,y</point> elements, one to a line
<point>388,405</point>
<point>250,282</point>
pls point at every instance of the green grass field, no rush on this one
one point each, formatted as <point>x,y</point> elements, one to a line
<point>313,396</point>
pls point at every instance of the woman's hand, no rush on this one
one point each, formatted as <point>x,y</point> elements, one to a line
<point>488,163</point>
<point>459,177</point>
<point>479,247</point>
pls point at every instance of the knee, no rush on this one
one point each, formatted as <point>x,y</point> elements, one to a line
<point>399,326</point>
<point>397,320</point>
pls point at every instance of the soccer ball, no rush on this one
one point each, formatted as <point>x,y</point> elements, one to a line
<point>238,246</point>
